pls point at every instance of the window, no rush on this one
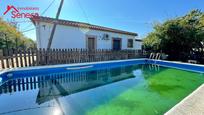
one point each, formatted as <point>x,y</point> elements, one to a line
<point>130,43</point>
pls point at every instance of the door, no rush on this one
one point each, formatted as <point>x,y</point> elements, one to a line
<point>91,43</point>
<point>116,44</point>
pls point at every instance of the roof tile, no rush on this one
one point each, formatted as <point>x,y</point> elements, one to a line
<point>79,24</point>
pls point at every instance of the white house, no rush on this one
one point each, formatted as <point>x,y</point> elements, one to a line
<point>70,34</point>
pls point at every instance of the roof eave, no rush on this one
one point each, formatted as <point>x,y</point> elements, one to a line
<point>35,19</point>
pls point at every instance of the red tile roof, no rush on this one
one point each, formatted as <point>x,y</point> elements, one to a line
<point>79,24</point>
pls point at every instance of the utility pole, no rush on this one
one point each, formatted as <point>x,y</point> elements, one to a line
<point>54,26</point>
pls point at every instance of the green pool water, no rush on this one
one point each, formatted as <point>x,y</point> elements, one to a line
<point>160,89</point>
<point>124,90</point>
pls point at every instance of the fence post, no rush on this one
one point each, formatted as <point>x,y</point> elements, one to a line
<point>7,58</point>
<point>21,58</point>
<point>16,55</point>
<point>25,57</point>
<point>37,56</point>
<point>65,56</point>
<point>32,57</point>
<point>57,56</point>
<point>29,56</point>
<point>12,57</point>
<point>54,57</point>
<point>2,59</point>
<point>40,56</point>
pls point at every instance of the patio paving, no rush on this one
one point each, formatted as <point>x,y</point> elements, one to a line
<point>191,105</point>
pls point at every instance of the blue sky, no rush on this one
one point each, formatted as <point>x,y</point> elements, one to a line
<point>130,15</point>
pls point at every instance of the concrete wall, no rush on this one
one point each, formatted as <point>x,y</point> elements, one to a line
<point>74,37</point>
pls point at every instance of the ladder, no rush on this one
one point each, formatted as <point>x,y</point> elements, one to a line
<point>155,56</point>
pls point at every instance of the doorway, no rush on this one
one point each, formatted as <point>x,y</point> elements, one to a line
<point>91,43</point>
<point>116,44</point>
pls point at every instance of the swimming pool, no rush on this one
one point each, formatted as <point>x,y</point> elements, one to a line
<point>132,87</point>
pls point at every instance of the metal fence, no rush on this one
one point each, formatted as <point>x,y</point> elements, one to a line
<point>13,58</point>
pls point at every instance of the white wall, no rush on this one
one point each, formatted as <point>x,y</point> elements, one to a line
<point>74,37</point>
<point>138,45</point>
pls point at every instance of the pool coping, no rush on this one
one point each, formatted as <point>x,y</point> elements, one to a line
<point>65,65</point>
<point>101,62</point>
<point>181,63</point>
<point>193,104</point>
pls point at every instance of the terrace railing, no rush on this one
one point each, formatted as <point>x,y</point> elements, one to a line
<point>13,58</point>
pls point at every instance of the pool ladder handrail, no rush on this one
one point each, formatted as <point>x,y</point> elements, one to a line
<point>155,56</point>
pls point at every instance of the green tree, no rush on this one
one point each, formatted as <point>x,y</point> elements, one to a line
<point>10,37</point>
<point>178,37</point>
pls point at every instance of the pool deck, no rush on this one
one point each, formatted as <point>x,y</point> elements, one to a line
<point>191,105</point>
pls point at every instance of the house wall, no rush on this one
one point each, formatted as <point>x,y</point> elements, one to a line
<point>74,37</point>
<point>138,45</point>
